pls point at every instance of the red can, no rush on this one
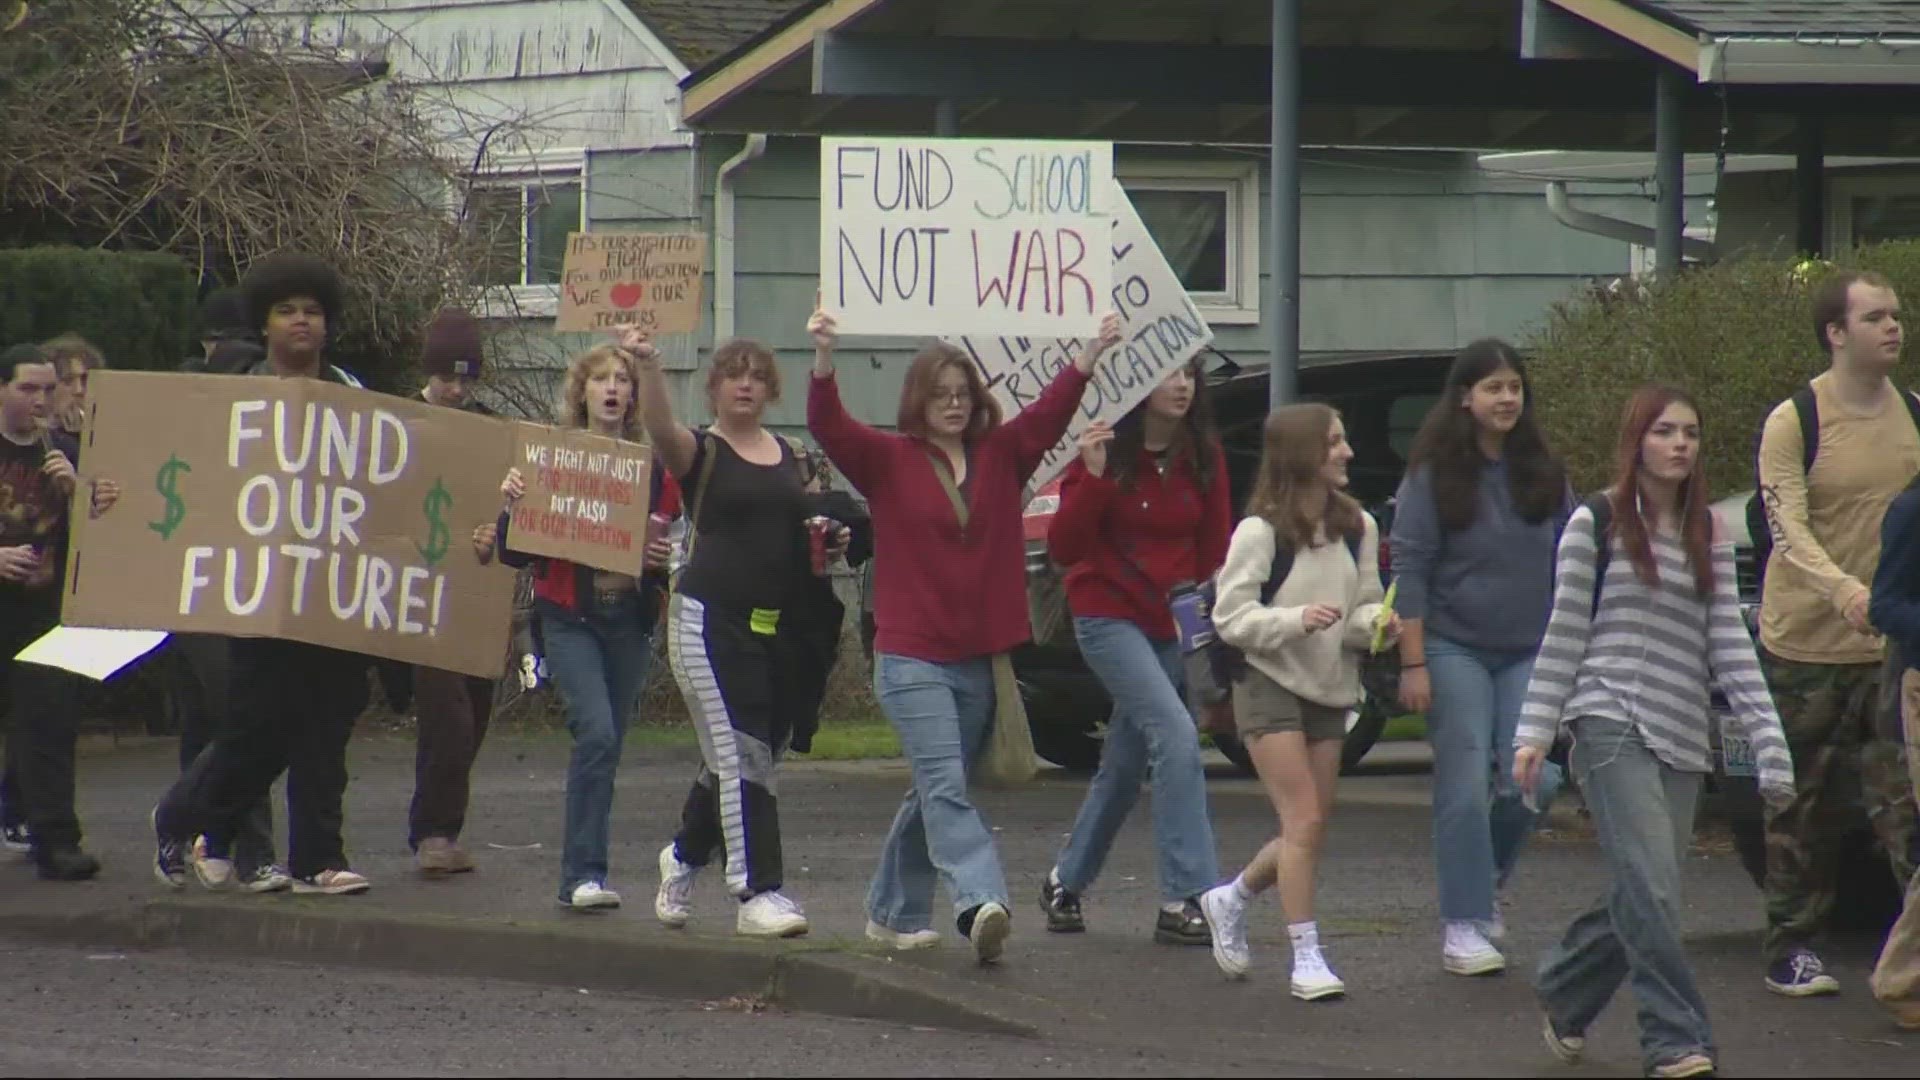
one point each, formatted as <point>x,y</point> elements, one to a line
<point>818,529</point>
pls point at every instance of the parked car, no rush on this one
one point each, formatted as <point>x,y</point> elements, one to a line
<point>1867,897</point>
<point>1382,399</point>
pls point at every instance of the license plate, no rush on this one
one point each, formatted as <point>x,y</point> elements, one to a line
<point>1736,754</point>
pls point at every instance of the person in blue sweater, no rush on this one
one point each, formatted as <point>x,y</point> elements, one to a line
<point>1478,518</point>
<point>1894,610</point>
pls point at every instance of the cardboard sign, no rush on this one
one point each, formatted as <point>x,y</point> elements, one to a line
<point>586,499</point>
<point>292,508</point>
<point>649,279</point>
<point>965,236</point>
<point>1163,330</point>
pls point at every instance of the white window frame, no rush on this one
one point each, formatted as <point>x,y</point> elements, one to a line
<point>1842,189</point>
<point>1239,303</point>
<point>527,170</point>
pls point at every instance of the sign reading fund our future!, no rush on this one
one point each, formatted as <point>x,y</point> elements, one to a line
<point>963,236</point>
<point>293,508</point>
<point>586,499</point>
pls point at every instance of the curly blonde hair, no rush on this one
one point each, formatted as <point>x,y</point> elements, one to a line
<point>573,389</point>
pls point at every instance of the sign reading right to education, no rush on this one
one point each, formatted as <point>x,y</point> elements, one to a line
<point>927,237</point>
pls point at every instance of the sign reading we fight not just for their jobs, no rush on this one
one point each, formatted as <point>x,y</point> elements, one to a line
<point>586,499</point>
<point>293,508</point>
<point>1161,329</point>
<point>965,236</point>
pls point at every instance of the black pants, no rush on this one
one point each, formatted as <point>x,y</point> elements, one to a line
<point>451,711</point>
<point>41,730</point>
<point>727,674</point>
<point>201,688</point>
<point>291,710</point>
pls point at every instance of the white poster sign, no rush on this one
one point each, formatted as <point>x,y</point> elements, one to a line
<point>928,237</point>
<point>1163,329</point>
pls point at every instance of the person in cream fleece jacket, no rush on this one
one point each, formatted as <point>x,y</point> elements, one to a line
<point>1302,640</point>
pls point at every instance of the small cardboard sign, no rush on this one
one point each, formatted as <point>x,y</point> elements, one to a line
<point>651,280</point>
<point>586,499</point>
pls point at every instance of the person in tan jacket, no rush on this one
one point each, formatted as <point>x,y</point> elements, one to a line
<point>1821,654</point>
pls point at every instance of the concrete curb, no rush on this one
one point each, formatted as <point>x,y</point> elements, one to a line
<point>817,977</point>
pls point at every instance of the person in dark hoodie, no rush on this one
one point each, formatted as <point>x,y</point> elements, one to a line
<point>291,705</point>
<point>1894,608</point>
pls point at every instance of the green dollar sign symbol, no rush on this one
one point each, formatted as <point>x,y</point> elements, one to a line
<point>439,501</point>
<point>163,482</point>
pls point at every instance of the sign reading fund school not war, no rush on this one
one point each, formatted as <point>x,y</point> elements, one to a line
<point>293,508</point>
<point>962,236</point>
<point>1162,330</point>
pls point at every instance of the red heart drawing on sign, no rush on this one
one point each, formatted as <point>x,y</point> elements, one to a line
<point>625,295</point>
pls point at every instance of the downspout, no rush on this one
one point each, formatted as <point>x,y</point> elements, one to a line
<point>723,239</point>
<point>1614,228</point>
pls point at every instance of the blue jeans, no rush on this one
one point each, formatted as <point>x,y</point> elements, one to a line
<point>1643,813</point>
<point>943,714</point>
<point>1479,821</point>
<point>599,658</point>
<point>1150,732</point>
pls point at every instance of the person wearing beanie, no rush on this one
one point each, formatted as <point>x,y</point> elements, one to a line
<point>291,705</point>
<point>451,710</point>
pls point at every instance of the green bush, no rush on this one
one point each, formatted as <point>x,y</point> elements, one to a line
<point>140,308</point>
<point>1738,335</point>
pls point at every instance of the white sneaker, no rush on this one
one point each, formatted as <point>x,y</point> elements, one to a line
<point>1226,916</point>
<point>331,883</point>
<point>1313,980</point>
<point>902,942</point>
<point>1466,951</point>
<point>214,874</point>
<point>673,904</point>
<point>771,915</point>
<point>991,925</point>
<point>591,895</point>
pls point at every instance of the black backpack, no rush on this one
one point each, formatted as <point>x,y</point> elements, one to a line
<point>1807,408</point>
<point>1228,662</point>
<point>1600,505</point>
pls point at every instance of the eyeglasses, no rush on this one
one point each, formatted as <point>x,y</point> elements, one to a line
<point>953,397</point>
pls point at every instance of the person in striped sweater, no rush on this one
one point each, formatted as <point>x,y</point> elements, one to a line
<point>1635,642</point>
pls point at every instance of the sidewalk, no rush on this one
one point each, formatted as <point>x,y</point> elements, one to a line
<point>1112,985</point>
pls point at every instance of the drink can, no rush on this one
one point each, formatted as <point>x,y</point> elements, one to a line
<point>657,525</point>
<point>818,530</point>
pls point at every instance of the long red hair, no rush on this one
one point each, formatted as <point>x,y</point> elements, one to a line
<point>1696,514</point>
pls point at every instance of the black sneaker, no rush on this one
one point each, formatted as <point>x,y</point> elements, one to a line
<point>1062,907</point>
<point>65,864</point>
<point>1801,974</point>
<point>14,838</point>
<point>1188,926</point>
<point>169,856</point>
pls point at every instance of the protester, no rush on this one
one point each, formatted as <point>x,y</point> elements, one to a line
<point>950,589</point>
<point>451,709</point>
<point>1645,623</point>
<point>292,705</point>
<point>1474,530</point>
<point>748,558</point>
<point>1895,610</point>
<point>1830,462</point>
<point>74,358</point>
<point>597,626</point>
<point>1145,510</point>
<point>1300,597</point>
<point>37,479</point>
<point>224,321</point>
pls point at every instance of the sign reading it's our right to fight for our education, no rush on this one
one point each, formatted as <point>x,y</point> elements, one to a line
<point>651,280</point>
<point>922,237</point>
<point>586,499</point>
<point>1162,330</point>
<point>292,508</point>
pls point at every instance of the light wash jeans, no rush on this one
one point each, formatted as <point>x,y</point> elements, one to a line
<point>1150,731</point>
<point>943,714</point>
<point>1643,813</point>
<point>599,659</point>
<point>1479,821</point>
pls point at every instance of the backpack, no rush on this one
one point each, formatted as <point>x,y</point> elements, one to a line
<point>1806,407</point>
<point>1228,662</point>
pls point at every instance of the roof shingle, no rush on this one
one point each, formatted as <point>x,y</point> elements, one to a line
<point>699,30</point>
<point>1788,18</point>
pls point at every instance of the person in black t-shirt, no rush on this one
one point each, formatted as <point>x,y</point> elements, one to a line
<point>36,480</point>
<point>748,558</point>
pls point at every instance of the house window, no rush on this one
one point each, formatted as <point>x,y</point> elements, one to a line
<point>1205,218</point>
<point>525,221</point>
<point>1884,217</point>
<point>1867,209</point>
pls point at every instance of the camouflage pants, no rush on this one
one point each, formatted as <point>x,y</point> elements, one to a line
<point>1896,978</point>
<point>1830,715</point>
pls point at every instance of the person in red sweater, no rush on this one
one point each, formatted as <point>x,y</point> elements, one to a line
<point>949,583</point>
<point>1144,510</point>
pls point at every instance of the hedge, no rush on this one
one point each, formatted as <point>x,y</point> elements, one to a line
<point>140,308</point>
<point>1738,335</point>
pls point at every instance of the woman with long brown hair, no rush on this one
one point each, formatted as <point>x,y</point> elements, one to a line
<point>1298,595</point>
<point>1646,621</point>
<point>950,603</point>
